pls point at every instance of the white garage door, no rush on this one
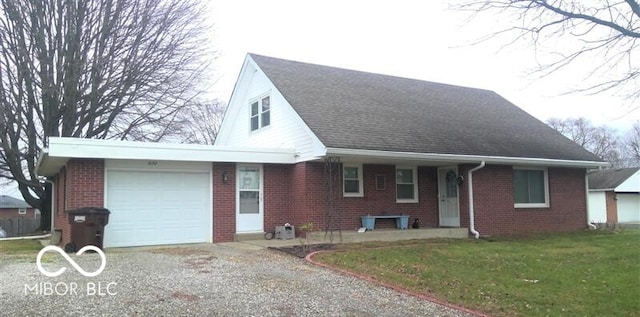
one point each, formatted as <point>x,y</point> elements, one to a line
<point>153,208</point>
<point>628,207</point>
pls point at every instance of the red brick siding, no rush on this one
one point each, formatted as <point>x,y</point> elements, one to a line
<point>612,207</point>
<point>277,196</point>
<point>297,194</point>
<point>224,202</point>
<point>496,215</point>
<point>309,198</point>
<point>383,202</point>
<point>298,206</point>
<point>79,184</point>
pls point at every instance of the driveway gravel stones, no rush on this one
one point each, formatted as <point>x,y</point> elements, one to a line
<point>198,280</point>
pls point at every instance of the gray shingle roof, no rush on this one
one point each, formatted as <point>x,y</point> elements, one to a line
<point>611,178</point>
<point>359,110</point>
<point>10,202</point>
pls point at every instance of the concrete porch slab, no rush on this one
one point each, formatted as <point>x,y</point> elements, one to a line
<point>375,235</point>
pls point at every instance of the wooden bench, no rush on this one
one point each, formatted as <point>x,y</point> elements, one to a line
<point>369,222</point>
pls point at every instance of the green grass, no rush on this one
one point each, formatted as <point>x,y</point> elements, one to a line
<point>579,274</point>
<point>20,247</point>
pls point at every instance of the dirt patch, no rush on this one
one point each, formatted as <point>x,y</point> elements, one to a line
<point>302,251</point>
<point>200,263</point>
<point>185,296</point>
<point>181,251</point>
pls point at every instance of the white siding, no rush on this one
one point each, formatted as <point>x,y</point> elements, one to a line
<point>597,207</point>
<point>628,207</point>
<point>632,184</point>
<point>286,131</point>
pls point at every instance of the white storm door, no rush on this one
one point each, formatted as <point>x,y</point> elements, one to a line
<point>249,207</point>
<point>448,197</point>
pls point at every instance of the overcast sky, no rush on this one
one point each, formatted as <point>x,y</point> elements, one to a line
<point>416,39</point>
<point>407,38</point>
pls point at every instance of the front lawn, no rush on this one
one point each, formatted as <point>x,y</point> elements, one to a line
<point>594,273</point>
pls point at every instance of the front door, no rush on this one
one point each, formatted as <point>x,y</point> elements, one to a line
<point>249,211</point>
<point>448,194</point>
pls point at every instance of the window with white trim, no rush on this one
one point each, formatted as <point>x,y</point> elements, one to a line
<point>22,211</point>
<point>352,180</point>
<point>260,113</point>
<point>406,184</point>
<point>530,187</point>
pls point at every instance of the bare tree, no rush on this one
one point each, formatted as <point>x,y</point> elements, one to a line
<point>631,143</point>
<point>93,69</point>
<point>601,34</point>
<point>201,123</point>
<point>601,141</point>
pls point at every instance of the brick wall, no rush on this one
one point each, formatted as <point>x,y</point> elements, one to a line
<point>496,215</point>
<point>277,195</point>
<point>309,197</point>
<point>79,184</point>
<point>224,202</point>
<point>297,194</point>
<point>612,207</point>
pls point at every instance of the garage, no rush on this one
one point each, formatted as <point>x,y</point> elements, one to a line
<point>628,207</point>
<point>156,207</point>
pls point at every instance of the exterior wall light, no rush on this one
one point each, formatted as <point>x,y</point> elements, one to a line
<point>225,177</point>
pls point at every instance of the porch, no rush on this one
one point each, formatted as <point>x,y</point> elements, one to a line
<point>375,235</point>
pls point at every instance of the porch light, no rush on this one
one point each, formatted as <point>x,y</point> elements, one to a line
<point>225,177</point>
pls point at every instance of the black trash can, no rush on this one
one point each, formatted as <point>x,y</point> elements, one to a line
<point>87,227</point>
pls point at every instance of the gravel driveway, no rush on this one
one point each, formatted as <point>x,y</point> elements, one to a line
<point>200,280</point>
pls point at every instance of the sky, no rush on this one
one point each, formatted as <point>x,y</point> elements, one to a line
<point>407,38</point>
<point>415,39</point>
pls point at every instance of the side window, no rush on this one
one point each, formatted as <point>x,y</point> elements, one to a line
<point>352,181</point>
<point>530,188</point>
<point>260,113</point>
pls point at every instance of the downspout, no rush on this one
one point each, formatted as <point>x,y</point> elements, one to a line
<point>586,196</point>
<point>53,204</point>
<point>472,226</point>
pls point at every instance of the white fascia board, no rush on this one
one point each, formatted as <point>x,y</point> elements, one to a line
<point>461,159</point>
<point>110,149</point>
<point>60,150</point>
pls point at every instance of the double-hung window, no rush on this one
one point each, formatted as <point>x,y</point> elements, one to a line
<point>530,187</point>
<point>406,185</point>
<point>260,113</point>
<point>352,180</point>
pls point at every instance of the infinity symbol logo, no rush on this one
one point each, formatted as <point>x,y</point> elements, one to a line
<point>70,260</point>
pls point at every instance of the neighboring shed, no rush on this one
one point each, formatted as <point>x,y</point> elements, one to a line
<point>614,195</point>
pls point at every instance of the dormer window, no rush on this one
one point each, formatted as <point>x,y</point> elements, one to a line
<point>260,113</point>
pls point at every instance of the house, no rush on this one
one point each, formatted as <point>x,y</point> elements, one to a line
<point>11,207</point>
<point>614,195</point>
<point>302,142</point>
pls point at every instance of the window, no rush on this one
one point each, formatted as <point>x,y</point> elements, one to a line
<point>530,188</point>
<point>352,180</point>
<point>406,185</point>
<point>22,211</point>
<point>260,113</point>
